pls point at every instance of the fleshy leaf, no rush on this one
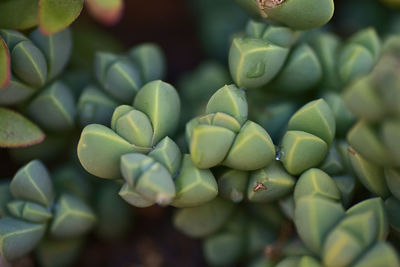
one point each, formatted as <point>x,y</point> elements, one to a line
<point>54,108</point>
<point>160,102</point>
<point>17,131</point>
<point>18,238</point>
<point>168,154</point>
<point>151,61</point>
<point>194,186</point>
<point>56,15</point>
<point>29,63</point>
<point>33,183</point>
<point>108,12</point>
<point>134,198</point>
<point>56,48</point>
<point>270,183</point>
<point>232,184</point>
<point>381,254</point>
<point>16,92</point>
<point>5,64</point>
<point>100,149</point>
<point>72,218</point>
<point>195,222</point>
<point>18,14</point>
<point>255,62</point>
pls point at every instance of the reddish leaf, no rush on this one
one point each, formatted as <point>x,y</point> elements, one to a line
<point>108,12</point>
<point>5,68</point>
<point>18,131</point>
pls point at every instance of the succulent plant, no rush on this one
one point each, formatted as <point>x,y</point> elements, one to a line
<point>297,14</point>
<point>35,209</point>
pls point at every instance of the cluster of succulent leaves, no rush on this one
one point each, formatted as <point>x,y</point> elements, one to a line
<point>34,212</point>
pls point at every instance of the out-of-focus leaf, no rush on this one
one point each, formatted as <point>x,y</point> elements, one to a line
<point>18,14</point>
<point>108,12</point>
<point>5,67</point>
<point>56,15</point>
<point>17,131</point>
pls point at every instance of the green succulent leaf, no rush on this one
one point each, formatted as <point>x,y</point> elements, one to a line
<point>34,212</point>
<point>56,48</point>
<point>376,205</point>
<point>255,62</point>
<point>54,108</point>
<point>32,182</point>
<point>72,217</point>
<point>332,164</point>
<point>24,14</point>
<point>314,217</point>
<point>102,62</point>
<point>16,92</point>
<point>255,28</point>
<point>316,118</point>
<point>230,100</point>
<point>5,196</point>
<point>29,64</point>
<point>354,61</point>
<point>392,177</point>
<point>381,254</point>
<point>122,80</point>
<point>135,127</point>
<point>392,205</point>
<point>100,150</point>
<point>315,182</point>
<point>232,184</point>
<point>301,72</point>
<point>369,39</point>
<point>151,61</point>
<point>270,183</point>
<point>193,185</point>
<point>168,154</point>
<point>95,107</point>
<point>369,174</point>
<point>129,194</point>
<point>302,14</point>
<point>17,131</point>
<point>195,222</point>
<point>347,188</point>
<point>12,38</point>
<point>280,36</point>
<point>252,149</point>
<point>160,102</point>
<point>18,238</point>
<point>5,64</point>
<point>301,151</point>
<point>209,145</point>
<point>133,165</point>
<point>56,15</point>
<point>15,208</point>
<point>390,134</point>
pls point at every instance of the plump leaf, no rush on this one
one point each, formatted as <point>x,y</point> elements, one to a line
<point>108,12</point>
<point>18,238</point>
<point>34,212</point>
<point>100,149</point>
<point>209,145</point>
<point>232,184</point>
<point>390,134</point>
<point>168,154</point>
<point>29,64</point>
<point>252,149</point>
<point>392,177</point>
<point>56,15</point>
<point>230,100</point>
<point>151,61</point>
<point>314,217</point>
<point>24,14</point>
<point>316,118</point>
<point>270,183</point>
<point>194,186</point>
<point>5,64</point>
<point>279,35</point>
<point>301,72</point>
<point>15,93</point>
<point>301,151</point>
<point>32,182</point>
<point>369,39</point>
<point>315,182</point>
<point>133,165</point>
<point>302,15</point>
<point>161,103</point>
<point>129,194</point>
<point>195,222</point>
<point>54,108</point>
<point>56,48</point>
<point>381,254</point>
<point>255,62</point>
<point>72,218</point>
<point>369,174</point>
<point>17,131</point>
<point>95,107</point>
<point>355,60</point>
